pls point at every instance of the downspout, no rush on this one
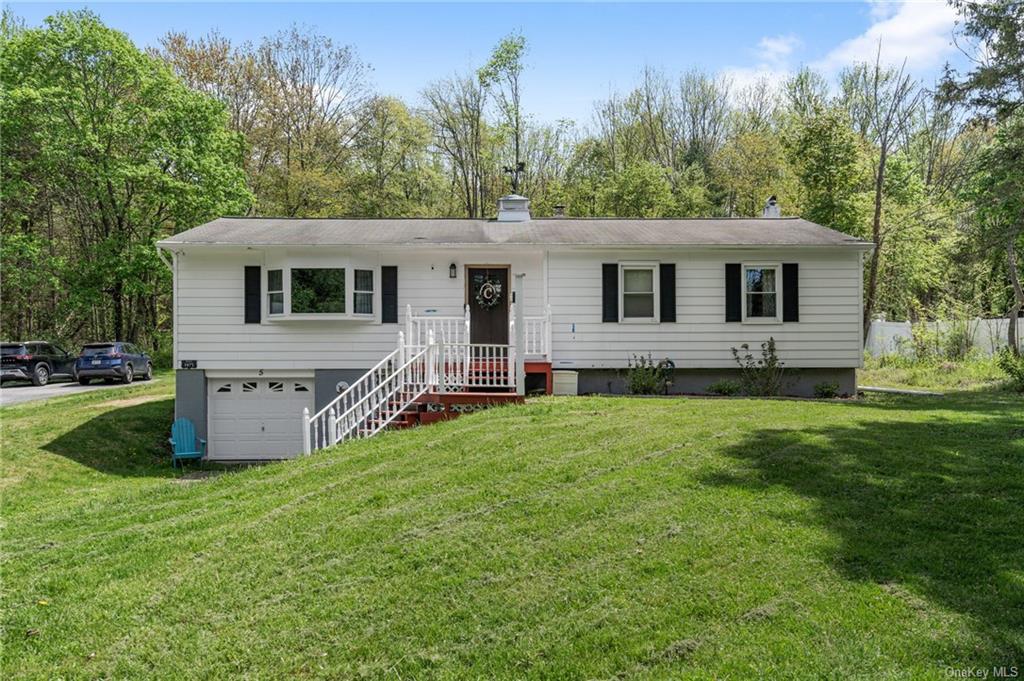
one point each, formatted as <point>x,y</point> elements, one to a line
<point>172,265</point>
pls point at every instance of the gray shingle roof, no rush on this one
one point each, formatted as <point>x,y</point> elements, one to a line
<point>553,231</point>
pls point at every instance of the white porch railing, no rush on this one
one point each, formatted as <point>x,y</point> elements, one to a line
<point>446,329</point>
<point>536,334</point>
<point>456,330</point>
<point>475,365</point>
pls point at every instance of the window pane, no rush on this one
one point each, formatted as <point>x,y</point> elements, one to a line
<point>364,280</point>
<point>363,303</point>
<point>761,305</point>
<point>318,290</point>
<point>638,281</point>
<point>638,305</point>
<point>760,280</point>
<point>276,303</point>
<point>274,280</point>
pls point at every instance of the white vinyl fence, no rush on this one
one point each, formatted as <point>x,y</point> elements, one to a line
<point>890,338</point>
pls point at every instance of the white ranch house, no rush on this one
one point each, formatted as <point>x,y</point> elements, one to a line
<point>292,334</point>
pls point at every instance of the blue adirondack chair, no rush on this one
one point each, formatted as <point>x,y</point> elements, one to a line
<point>183,439</point>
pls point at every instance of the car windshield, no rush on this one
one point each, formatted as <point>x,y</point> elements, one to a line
<point>90,350</point>
<point>12,349</point>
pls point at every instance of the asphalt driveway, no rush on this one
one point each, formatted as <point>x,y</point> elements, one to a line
<point>17,392</point>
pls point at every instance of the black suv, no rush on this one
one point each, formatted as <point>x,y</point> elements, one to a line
<point>110,361</point>
<point>35,361</point>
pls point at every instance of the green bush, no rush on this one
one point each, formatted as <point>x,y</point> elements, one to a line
<point>647,377</point>
<point>826,390</point>
<point>1013,366</point>
<point>762,376</point>
<point>725,387</point>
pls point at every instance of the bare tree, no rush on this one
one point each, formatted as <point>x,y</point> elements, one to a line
<point>704,114</point>
<point>882,102</point>
<point>455,109</point>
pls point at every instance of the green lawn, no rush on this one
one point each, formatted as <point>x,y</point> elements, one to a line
<point>568,538</point>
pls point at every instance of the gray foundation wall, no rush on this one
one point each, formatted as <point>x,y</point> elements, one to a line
<point>325,384</point>
<point>190,398</point>
<point>797,382</point>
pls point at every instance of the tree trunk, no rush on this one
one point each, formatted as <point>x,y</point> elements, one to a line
<point>1018,297</point>
<point>118,300</point>
<point>876,236</point>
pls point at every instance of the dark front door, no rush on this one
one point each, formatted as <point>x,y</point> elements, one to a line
<point>489,295</point>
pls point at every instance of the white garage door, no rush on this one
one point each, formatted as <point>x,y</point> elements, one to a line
<point>257,418</point>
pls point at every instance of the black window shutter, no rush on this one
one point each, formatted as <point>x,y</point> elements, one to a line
<point>252,294</point>
<point>667,291</point>
<point>733,293</point>
<point>609,292</point>
<point>389,294</point>
<point>790,292</point>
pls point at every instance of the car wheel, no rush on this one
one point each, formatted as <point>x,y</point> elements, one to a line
<point>128,374</point>
<point>148,376</point>
<point>83,380</point>
<point>41,376</point>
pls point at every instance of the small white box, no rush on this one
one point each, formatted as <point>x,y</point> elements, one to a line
<point>564,382</point>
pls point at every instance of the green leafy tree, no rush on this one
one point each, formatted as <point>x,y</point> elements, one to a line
<point>503,71</point>
<point>832,172</point>
<point>108,152</point>
<point>998,197</point>
<point>640,190</point>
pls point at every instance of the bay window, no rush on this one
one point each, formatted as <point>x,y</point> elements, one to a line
<point>363,292</point>
<point>275,291</point>
<point>318,290</point>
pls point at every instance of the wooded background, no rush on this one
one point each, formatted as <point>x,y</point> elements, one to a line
<point>107,148</point>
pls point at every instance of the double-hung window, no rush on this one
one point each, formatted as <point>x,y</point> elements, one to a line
<point>761,297</point>
<point>275,291</point>
<point>362,292</point>
<point>639,292</point>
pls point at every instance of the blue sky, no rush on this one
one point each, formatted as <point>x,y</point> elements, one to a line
<point>578,52</point>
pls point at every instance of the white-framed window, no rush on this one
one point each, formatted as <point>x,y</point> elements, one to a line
<point>362,292</point>
<point>762,293</point>
<point>318,290</point>
<point>638,292</point>
<point>275,291</point>
<point>310,289</point>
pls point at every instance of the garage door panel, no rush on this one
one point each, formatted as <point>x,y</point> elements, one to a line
<point>257,418</point>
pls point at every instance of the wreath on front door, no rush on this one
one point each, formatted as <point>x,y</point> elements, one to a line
<point>489,294</point>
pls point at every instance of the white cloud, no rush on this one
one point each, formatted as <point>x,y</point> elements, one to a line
<point>776,49</point>
<point>919,31</point>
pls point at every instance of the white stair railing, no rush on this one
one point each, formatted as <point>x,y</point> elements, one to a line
<point>396,382</point>
<point>372,402</point>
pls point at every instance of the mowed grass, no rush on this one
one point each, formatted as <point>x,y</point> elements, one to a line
<point>567,538</point>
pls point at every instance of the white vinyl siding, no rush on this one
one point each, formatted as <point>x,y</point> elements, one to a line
<point>210,309</point>
<point>827,335</point>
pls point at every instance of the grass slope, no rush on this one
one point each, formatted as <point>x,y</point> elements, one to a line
<point>568,538</point>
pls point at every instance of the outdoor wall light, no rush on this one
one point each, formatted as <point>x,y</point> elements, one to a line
<point>452,271</point>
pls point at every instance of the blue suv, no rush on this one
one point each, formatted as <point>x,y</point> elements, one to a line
<point>113,361</point>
